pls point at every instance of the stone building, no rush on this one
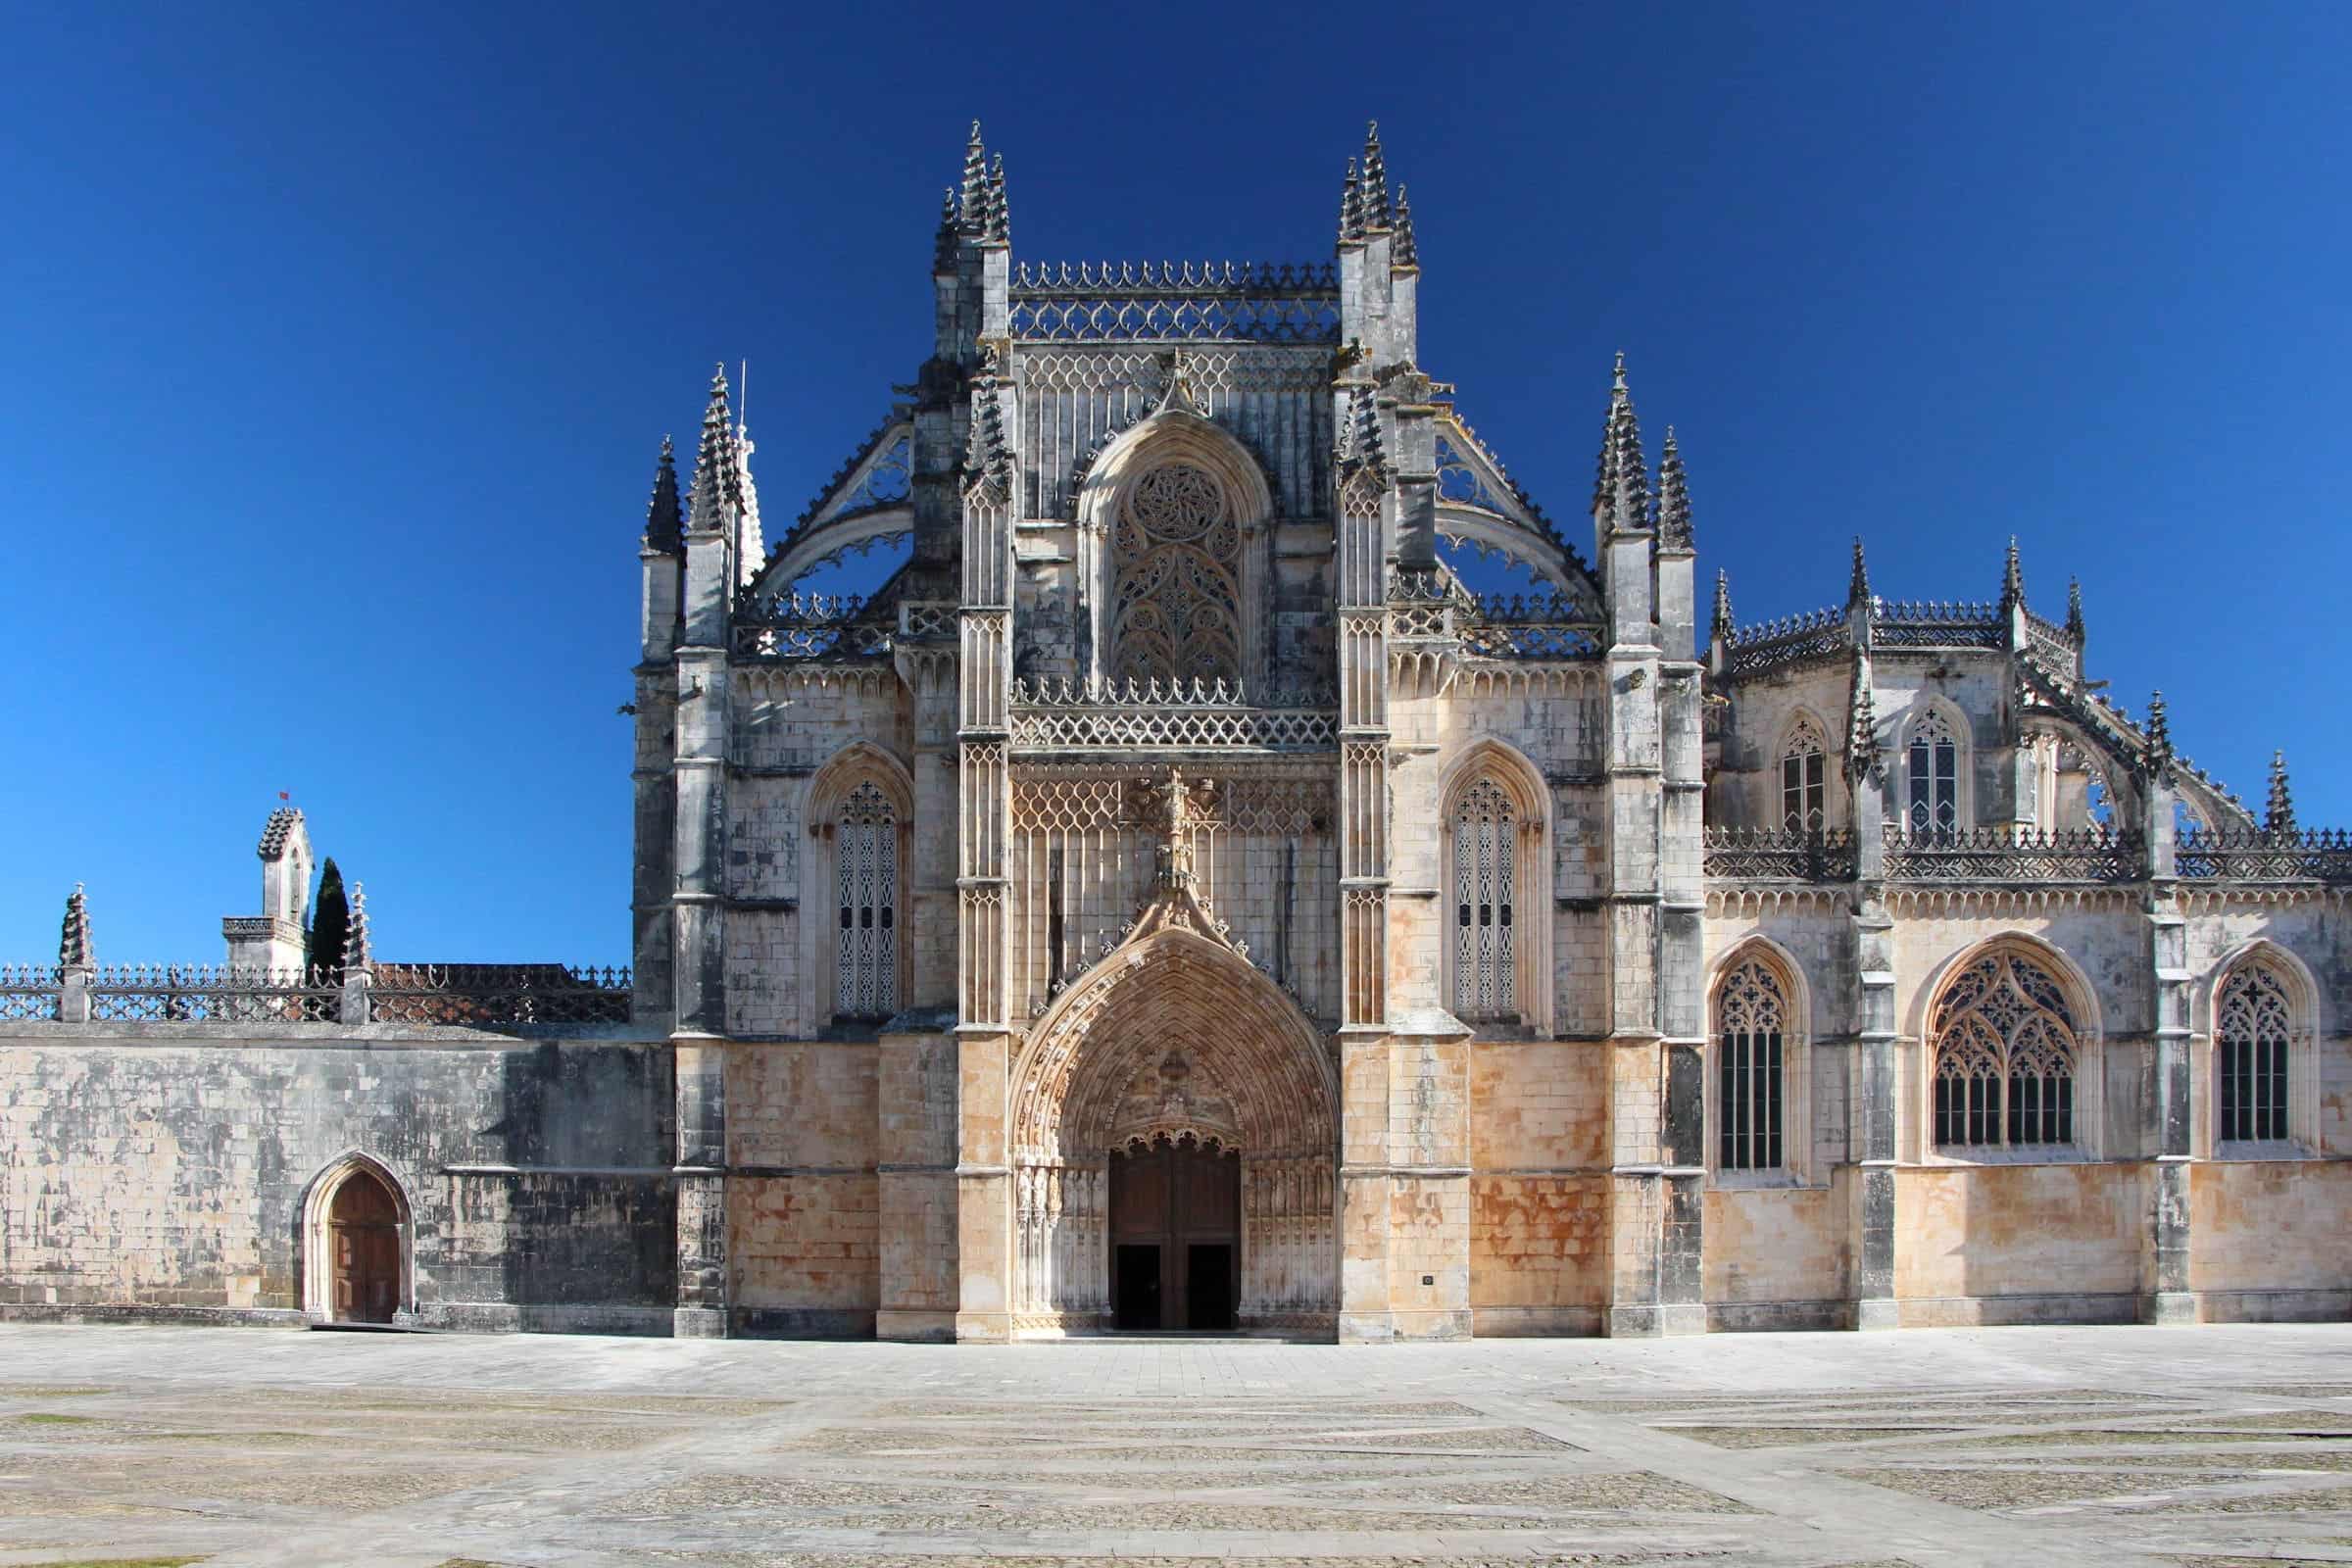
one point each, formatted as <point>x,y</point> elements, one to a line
<point>1177,898</point>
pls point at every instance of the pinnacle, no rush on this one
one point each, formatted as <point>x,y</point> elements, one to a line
<point>1404,255</point>
<point>73,947</point>
<point>1351,206</point>
<point>996,214</point>
<point>1857,586</point>
<point>973,211</point>
<point>943,250</point>
<point>1862,725</point>
<point>1621,487</point>
<point>717,480</point>
<point>751,540</point>
<point>2280,817</point>
<point>358,950</point>
<point>2073,609</point>
<point>663,520</point>
<point>2160,729</point>
<point>2013,579</point>
<point>1376,180</point>
<point>986,456</point>
<point>1723,606</point>
<point>1673,497</point>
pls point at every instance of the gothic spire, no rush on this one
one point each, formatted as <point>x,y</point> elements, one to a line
<point>995,218</point>
<point>73,951</point>
<point>751,540</point>
<point>1721,630</point>
<point>972,201</point>
<point>2280,817</point>
<point>716,477</point>
<point>359,946</point>
<point>1351,206</point>
<point>1857,585</point>
<point>1674,497</point>
<point>663,519</point>
<point>1405,256</point>
<point>1621,489</point>
<point>1376,180</point>
<point>2012,579</point>
<point>2073,609</point>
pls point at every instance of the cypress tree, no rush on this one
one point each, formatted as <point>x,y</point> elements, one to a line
<point>330,926</point>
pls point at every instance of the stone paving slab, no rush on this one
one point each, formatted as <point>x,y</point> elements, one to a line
<point>2057,1447</point>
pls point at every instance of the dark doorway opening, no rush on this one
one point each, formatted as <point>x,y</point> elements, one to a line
<point>363,1229</point>
<point>1176,1216</point>
<point>1209,1286</point>
<point>1137,1282</point>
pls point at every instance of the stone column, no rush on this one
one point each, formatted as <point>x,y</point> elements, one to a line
<point>2167,1117</point>
<point>1876,1117</point>
<point>701,1178</point>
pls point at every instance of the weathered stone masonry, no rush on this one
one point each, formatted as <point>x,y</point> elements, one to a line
<point>1178,895</point>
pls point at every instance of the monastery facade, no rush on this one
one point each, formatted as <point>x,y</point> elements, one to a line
<point>1176,899</point>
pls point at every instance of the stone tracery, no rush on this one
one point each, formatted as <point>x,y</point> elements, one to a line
<point>1176,602</point>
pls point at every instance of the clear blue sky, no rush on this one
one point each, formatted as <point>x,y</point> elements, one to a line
<point>338,345</point>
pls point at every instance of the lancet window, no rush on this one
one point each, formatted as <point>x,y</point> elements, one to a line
<point>1934,773</point>
<point>1751,1038</point>
<point>1176,600</point>
<point>1803,776</point>
<point>2253,1027</point>
<point>2005,1051</point>
<point>866,859</point>
<point>1485,889</point>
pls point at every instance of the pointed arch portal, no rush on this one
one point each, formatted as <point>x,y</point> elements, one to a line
<point>1174,1118</point>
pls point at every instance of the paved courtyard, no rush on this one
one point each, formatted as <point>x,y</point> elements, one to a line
<point>2204,1447</point>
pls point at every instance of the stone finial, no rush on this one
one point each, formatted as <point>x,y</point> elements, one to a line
<point>1857,582</point>
<point>2073,609</point>
<point>1863,756</point>
<point>1674,497</point>
<point>1721,628</point>
<point>986,458</point>
<point>2012,579</point>
<point>2278,816</point>
<point>1405,256</point>
<point>972,199</point>
<point>665,519</point>
<point>751,539</point>
<point>996,214</point>
<point>73,947</point>
<point>1351,206</point>
<point>1376,180</point>
<point>1621,488</point>
<point>717,478</point>
<point>359,948</point>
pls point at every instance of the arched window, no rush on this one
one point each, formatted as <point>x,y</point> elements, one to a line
<point>1751,1036</point>
<point>1176,596</point>
<point>1804,774</point>
<point>1932,770</point>
<point>2004,1048</point>
<point>2253,1028</point>
<point>1486,892</point>
<point>865,861</point>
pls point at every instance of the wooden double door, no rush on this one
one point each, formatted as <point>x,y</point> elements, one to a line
<point>1175,1237</point>
<point>363,1229</point>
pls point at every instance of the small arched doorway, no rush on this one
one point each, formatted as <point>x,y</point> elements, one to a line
<point>362,1250</point>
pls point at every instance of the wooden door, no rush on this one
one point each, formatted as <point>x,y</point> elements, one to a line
<point>363,1229</point>
<point>1176,1208</point>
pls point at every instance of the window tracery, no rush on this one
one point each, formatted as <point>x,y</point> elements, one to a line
<point>1752,1031</point>
<point>1486,876</point>
<point>2005,1052</point>
<point>1176,596</point>
<point>2253,1029</point>
<point>866,857</point>
<point>1934,773</point>
<point>1803,776</point>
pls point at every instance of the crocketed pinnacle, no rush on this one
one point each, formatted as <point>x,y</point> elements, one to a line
<point>1621,488</point>
<point>665,520</point>
<point>1857,584</point>
<point>996,218</point>
<point>1862,756</point>
<point>1360,442</point>
<point>2160,729</point>
<point>717,478</point>
<point>942,245</point>
<point>751,539</point>
<point>1404,255</point>
<point>2013,579</point>
<point>358,947</point>
<point>1351,206</point>
<point>986,458</point>
<point>2073,609</point>
<point>1376,181</point>
<point>2279,813</point>
<point>1721,629</point>
<point>1674,497</point>
<point>73,950</point>
<point>972,203</point>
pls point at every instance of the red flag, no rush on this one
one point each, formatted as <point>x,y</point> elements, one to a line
<point>285,795</point>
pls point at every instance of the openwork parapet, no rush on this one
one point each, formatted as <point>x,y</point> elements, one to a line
<point>206,993</point>
<point>1774,855</point>
<point>2254,856</point>
<point>1175,302</point>
<point>1938,623</point>
<point>28,990</point>
<point>2004,854</point>
<point>1789,640</point>
<point>1068,715</point>
<point>795,625</point>
<point>496,993</point>
<point>1430,605</point>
